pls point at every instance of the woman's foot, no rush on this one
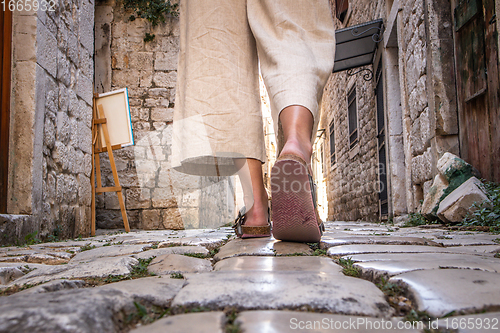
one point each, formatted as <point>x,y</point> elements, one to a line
<point>294,213</point>
<point>255,194</point>
<point>297,122</point>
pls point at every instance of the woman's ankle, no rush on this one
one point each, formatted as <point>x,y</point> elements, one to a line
<point>258,214</point>
<point>301,148</point>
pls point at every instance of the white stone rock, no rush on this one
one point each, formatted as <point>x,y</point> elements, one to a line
<point>431,200</point>
<point>459,203</point>
<point>449,163</point>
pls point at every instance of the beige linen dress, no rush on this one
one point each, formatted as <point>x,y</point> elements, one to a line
<point>217,113</point>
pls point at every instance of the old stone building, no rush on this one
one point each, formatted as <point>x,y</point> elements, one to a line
<point>156,196</point>
<point>46,119</point>
<point>434,90</point>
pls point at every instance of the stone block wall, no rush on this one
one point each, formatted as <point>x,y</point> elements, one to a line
<point>420,105</point>
<point>65,49</point>
<point>156,196</point>
<point>352,182</point>
<point>51,114</point>
<point>417,130</point>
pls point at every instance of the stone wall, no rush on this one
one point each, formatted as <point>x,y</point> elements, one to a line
<point>50,139</point>
<point>156,196</point>
<point>416,117</point>
<point>65,49</point>
<point>420,110</point>
<point>352,182</point>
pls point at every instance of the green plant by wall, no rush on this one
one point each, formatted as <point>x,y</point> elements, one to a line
<point>487,214</point>
<point>415,219</point>
<point>155,11</point>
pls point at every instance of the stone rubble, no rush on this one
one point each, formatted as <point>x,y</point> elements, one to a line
<point>206,281</point>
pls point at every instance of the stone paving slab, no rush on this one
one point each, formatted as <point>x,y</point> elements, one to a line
<point>306,322</point>
<point>177,263</point>
<point>204,322</point>
<point>18,259</point>
<point>8,274</point>
<point>49,259</point>
<point>66,311</point>
<point>209,243</point>
<point>66,244</point>
<point>98,268</point>
<point>467,240</point>
<point>54,285</point>
<point>253,290</point>
<point>345,250</point>
<point>156,290</point>
<point>374,266</point>
<point>278,264</point>
<point>261,247</point>
<point>109,251</point>
<point>476,323</point>
<point>171,250</point>
<point>441,291</point>
<point>328,241</point>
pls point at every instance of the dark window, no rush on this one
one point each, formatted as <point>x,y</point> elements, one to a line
<point>332,143</point>
<point>353,118</point>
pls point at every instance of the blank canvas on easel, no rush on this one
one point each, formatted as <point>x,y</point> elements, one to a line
<point>117,112</point>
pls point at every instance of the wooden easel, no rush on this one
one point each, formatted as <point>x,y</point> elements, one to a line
<point>99,124</point>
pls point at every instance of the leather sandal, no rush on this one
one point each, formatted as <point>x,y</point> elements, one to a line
<point>243,231</point>
<point>293,201</point>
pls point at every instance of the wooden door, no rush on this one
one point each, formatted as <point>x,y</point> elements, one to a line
<point>477,85</point>
<point>5,48</point>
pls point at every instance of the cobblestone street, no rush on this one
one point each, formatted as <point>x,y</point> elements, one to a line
<point>363,277</point>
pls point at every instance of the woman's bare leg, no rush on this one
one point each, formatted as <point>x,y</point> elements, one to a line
<point>297,123</point>
<point>254,192</point>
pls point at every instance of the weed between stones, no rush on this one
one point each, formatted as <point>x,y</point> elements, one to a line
<point>145,314</point>
<point>15,289</point>
<point>231,325</point>
<point>349,268</point>
<point>138,271</point>
<point>316,250</point>
<point>87,247</point>
<point>176,276</point>
<point>196,255</point>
